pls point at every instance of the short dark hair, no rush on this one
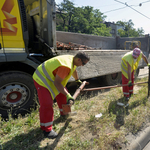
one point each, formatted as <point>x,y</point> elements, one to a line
<point>82,55</point>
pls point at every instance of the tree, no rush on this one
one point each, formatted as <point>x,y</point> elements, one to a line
<point>81,20</point>
<point>129,30</point>
<point>66,9</point>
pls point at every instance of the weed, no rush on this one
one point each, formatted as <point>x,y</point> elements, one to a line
<point>82,131</point>
<point>1,147</point>
<point>92,118</point>
<point>75,143</point>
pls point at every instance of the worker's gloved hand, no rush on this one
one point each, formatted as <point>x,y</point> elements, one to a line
<point>148,64</point>
<point>79,82</point>
<point>70,99</point>
<point>129,83</point>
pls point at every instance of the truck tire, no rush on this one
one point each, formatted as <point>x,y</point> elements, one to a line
<point>16,93</point>
<point>113,79</point>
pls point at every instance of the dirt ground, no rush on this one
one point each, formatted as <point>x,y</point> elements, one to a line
<point>75,121</point>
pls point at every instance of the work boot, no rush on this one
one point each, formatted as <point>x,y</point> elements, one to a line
<point>122,104</point>
<point>127,99</point>
<point>51,135</point>
<point>64,117</point>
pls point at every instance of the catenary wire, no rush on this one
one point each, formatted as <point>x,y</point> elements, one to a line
<point>145,2</point>
<point>132,8</point>
<point>115,9</point>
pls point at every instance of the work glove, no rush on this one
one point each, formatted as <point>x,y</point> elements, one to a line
<point>148,64</point>
<point>70,99</point>
<point>79,82</point>
<point>129,83</point>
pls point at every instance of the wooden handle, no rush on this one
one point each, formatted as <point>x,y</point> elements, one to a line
<point>79,89</point>
<point>109,87</point>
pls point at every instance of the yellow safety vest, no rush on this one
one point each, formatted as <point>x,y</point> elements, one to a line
<point>129,58</point>
<point>44,72</point>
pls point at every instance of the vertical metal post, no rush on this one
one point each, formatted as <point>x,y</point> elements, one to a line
<point>148,79</point>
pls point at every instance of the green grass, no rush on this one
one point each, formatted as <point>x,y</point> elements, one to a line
<point>83,130</point>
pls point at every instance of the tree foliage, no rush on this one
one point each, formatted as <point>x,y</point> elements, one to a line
<point>90,21</point>
<point>129,30</point>
<point>81,19</point>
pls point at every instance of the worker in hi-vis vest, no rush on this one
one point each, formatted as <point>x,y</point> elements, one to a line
<point>129,64</point>
<point>50,79</point>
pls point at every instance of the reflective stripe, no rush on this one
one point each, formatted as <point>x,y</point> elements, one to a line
<point>47,75</point>
<point>61,110</point>
<point>122,64</point>
<point>124,69</point>
<point>44,81</point>
<point>125,93</point>
<point>130,90</point>
<point>46,124</point>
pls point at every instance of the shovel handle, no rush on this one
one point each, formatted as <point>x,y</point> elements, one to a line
<point>109,87</point>
<point>67,107</point>
<point>79,89</point>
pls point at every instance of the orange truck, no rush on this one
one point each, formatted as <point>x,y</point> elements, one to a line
<point>28,37</point>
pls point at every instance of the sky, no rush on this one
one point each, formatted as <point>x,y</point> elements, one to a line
<point>121,10</point>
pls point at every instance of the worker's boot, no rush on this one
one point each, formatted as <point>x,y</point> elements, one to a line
<point>124,103</point>
<point>127,99</point>
<point>64,116</point>
<point>51,135</point>
<point>131,94</point>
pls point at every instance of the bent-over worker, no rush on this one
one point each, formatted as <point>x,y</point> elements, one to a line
<point>129,64</point>
<point>50,79</point>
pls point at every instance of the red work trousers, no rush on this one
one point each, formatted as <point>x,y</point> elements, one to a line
<point>46,111</point>
<point>127,91</point>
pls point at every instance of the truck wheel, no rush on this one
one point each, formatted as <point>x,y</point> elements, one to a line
<point>113,79</point>
<point>16,93</point>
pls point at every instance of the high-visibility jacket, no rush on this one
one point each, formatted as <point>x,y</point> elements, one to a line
<point>44,72</point>
<point>129,58</point>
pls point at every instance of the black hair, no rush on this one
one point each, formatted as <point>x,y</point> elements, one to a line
<point>82,55</point>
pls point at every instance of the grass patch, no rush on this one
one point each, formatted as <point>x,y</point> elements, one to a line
<point>83,130</point>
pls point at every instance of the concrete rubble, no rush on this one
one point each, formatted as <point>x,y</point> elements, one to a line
<point>73,46</point>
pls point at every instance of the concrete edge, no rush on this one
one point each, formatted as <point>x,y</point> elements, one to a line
<point>141,141</point>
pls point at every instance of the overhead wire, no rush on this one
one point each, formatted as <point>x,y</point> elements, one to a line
<point>129,7</point>
<point>106,5</point>
<point>115,9</point>
<point>132,8</point>
<point>118,8</point>
<point>146,1</point>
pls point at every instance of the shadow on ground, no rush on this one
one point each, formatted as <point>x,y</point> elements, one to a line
<point>119,111</point>
<point>122,111</point>
<point>32,139</point>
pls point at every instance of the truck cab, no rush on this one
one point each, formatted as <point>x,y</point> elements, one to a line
<point>24,45</point>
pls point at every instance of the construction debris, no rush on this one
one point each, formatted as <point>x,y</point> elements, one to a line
<point>73,46</point>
